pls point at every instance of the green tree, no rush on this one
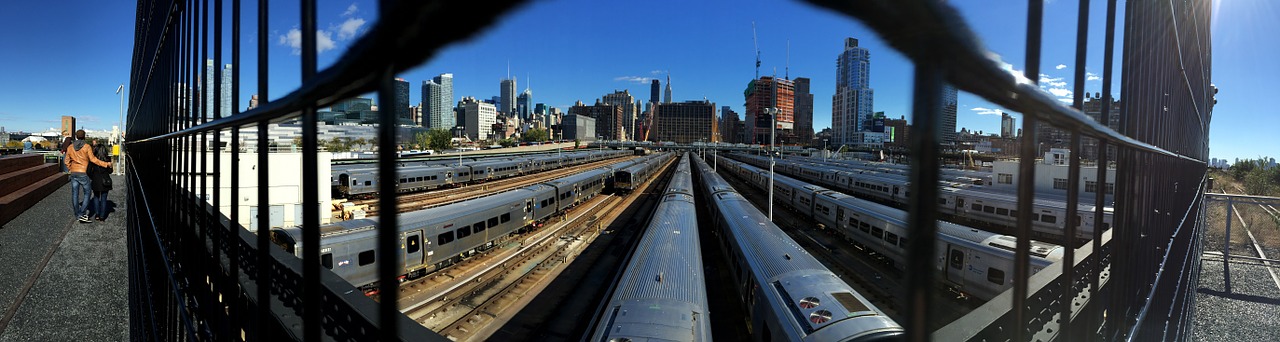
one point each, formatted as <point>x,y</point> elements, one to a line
<point>577,143</point>
<point>507,142</point>
<point>536,134</point>
<point>359,143</point>
<point>337,145</point>
<point>434,139</point>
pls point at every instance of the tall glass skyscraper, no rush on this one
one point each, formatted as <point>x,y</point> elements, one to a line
<point>507,89</point>
<point>437,102</point>
<point>851,106</point>
<point>226,90</point>
<point>401,106</point>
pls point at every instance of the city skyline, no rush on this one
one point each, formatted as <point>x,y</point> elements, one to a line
<point>714,64</point>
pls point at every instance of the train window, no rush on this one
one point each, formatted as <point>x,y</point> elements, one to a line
<point>976,207</point>
<point>988,209</point>
<point>957,259</point>
<point>464,232</point>
<point>1106,226</point>
<point>478,227</point>
<point>1013,212</point>
<point>1048,219</point>
<point>877,232</point>
<point>444,238</point>
<point>412,244</point>
<point>891,238</point>
<point>1035,217</point>
<point>866,228</point>
<point>326,260</point>
<point>995,276</point>
<point>368,183</point>
<point>402,181</point>
<point>1002,211</point>
<point>505,218</point>
<point>493,221</point>
<point>366,257</point>
<point>942,201</point>
<point>902,241</point>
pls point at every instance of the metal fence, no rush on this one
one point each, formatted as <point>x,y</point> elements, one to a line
<point>196,274</point>
<point>1136,281</point>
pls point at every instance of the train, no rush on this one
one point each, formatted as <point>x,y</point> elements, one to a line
<point>662,295</point>
<point>362,182</point>
<point>785,292</point>
<point>964,202</point>
<point>971,262</point>
<point>437,237</point>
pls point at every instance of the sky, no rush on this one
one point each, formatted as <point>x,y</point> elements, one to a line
<point>570,50</point>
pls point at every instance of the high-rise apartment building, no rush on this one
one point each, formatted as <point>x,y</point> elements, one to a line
<point>437,102</point>
<point>401,105</point>
<point>507,97</point>
<point>608,118</point>
<point>804,111</point>
<point>624,100</point>
<point>1008,126</point>
<point>770,93</point>
<point>852,103</point>
<point>1052,137</point>
<point>728,125</point>
<point>948,115</point>
<point>478,118</point>
<point>685,122</point>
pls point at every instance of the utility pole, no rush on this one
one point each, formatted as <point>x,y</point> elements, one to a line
<point>773,119</point>
<point>120,139</point>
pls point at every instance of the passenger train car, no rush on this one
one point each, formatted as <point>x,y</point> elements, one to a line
<point>437,237</point>
<point>970,261</point>
<point>786,293</point>
<point>662,293</point>
<point>362,182</point>
<point>975,203</point>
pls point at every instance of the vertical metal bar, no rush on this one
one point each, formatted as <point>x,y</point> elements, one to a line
<point>233,252</point>
<point>264,221</point>
<point>1073,179</point>
<point>1094,317</point>
<point>922,206</point>
<point>311,294</point>
<point>1026,178</point>
<point>389,220</point>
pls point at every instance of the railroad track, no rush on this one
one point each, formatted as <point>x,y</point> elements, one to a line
<point>423,200</point>
<point>460,313</point>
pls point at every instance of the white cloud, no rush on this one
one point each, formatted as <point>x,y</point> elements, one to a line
<point>985,111</point>
<point>1067,100</point>
<point>350,10</point>
<point>637,79</point>
<point>1060,92</point>
<point>1061,84</point>
<point>1046,79</point>
<point>350,28</point>
<point>1060,66</point>
<point>1089,76</point>
<point>293,39</point>
<point>657,72</point>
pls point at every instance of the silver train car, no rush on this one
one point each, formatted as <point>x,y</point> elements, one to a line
<point>362,181</point>
<point>629,178</point>
<point>787,294</point>
<point>974,203</point>
<point>662,293</point>
<point>437,237</point>
<point>972,262</point>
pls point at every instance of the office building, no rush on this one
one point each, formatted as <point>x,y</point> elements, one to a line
<point>624,100</point>
<point>608,118</point>
<point>1008,125</point>
<point>654,88</point>
<point>478,118</point>
<point>728,125</point>
<point>524,105</point>
<point>579,127</point>
<point>948,115</point>
<point>852,103</point>
<point>507,97</point>
<point>685,122</point>
<point>804,111</point>
<point>401,104</point>
<point>225,110</point>
<point>667,96</point>
<point>765,93</point>
<point>437,103</point>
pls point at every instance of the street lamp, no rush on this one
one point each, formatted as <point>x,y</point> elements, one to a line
<point>459,129</point>
<point>120,138</point>
<point>773,125</point>
<point>824,150</point>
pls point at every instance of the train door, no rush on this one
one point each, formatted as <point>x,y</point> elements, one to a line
<point>448,177</point>
<point>839,216</point>
<point>528,209</point>
<point>955,265</point>
<point>344,183</point>
<point>413,247</point>
<point>959,208</point>
<point>895,192</point>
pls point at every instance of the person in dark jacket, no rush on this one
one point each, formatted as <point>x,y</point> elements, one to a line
<point>100,178</point>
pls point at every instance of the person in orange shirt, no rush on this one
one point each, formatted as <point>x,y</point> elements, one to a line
<point>79,155</point>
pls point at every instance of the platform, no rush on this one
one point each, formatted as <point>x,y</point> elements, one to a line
<point>1247,311</point>
<point>64,280</point>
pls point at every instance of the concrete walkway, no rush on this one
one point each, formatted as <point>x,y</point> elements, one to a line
<point>62,280</point>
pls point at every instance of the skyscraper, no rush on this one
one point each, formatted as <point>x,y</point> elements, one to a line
<point>667,97</point>
<point>1007,126</point>
<point>948,115</point>
<point>769,92</point>
<point>478,118</point>
<point>624,100</point>
<point>608,118</point>
<point>437,102</point>
<point>226,90</point>
<point>654,87</point>
<point>804,111</point>
<point>524,105</point>
<point>685,122</point>
<point>401,106</point>
<point>507,89</point>
<point>728,125</point>
<point>851,105</point>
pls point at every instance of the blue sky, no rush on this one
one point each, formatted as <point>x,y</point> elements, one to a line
<point>582,49</point>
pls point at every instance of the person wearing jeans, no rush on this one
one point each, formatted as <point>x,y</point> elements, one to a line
<point>100,177</point>
<point>79,156</point>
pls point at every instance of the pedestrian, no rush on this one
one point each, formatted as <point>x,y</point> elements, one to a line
<point>79,156</point>
<point>62,152</point>
<point>100,177</point>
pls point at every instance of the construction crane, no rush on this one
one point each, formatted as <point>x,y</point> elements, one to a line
<point>757,44</point>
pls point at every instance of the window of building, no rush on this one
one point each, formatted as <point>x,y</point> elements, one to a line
<point>1004,178</point>
<point>1060,183</point>
<point>1090,186</point>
